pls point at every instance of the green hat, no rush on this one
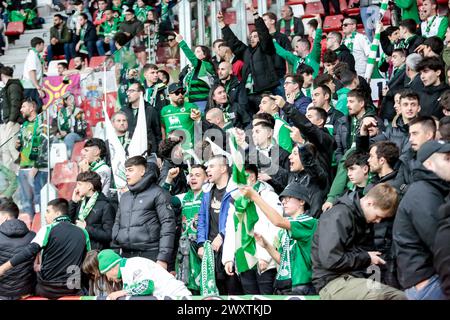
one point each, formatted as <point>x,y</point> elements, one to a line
<point>107,259</point>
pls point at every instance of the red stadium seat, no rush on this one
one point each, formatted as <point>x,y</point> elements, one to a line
<point>352,11</point>
<point>314,8</point>
<point>333,23</point>
<point>65,190</point>
<point>96,61</point>
<point>294,2</point>
<point>15,29</point>
<point>76,151</point>
<point>64,172</point>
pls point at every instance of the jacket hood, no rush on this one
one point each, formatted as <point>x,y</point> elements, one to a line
<point>400,124</point>
<point>14,228</point>
<point>352,201</point>
<point>436,89</point>
<point>420,173</point>
<point>12,82</point>
<point>150,177</point>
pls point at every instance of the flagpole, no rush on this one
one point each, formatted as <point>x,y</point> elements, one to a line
<point>104,92</point>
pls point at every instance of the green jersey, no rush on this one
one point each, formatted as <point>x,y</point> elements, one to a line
<point>27,131</point>
<point>179,118</point>
<point>295,249</point>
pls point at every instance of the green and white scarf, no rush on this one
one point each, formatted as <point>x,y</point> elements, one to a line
<point>350,41</point>
<point>86,207</point>
<point>284,272</point>
<point>41,59</point>
<point>208,279</point>
<point>291,27</point>
<point>63,120</point>
<point>83,48</point>
<point>94,166</point>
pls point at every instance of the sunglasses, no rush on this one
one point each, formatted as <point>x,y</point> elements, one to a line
<point>178,92</point>
<point>171,39</point>
<point>347,24</point>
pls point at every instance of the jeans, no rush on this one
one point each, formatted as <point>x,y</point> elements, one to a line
<point>431,291</point>
<point>369,16</point>
<point>26,185</point>
<point>40,179</point>
<point>57,50</point>
<point>254,283</point>
<point>101,46</point>
<point>70,139</point>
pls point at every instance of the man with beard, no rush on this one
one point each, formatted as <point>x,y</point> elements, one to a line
<point>59,39</point>
<point>120,125</point>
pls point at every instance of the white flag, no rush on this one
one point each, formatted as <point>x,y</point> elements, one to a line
<point>116,151</point>
<point>138,144</point>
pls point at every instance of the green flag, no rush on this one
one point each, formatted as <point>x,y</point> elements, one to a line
<point>245,215</point>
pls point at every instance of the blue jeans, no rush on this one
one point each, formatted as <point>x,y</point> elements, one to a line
<point>56,50</point>
<point>39,181</point>
<point>101,46</point>
<point>70,139</point>
<point>369,16</point>
<point>432,291</point>
<point>26,188</point>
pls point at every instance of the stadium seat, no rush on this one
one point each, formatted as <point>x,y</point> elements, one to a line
<point>15,29</point>
<point>64,172</point>
<point>65,190</point>
<point>314,8</point>
<point>76,151</point>
<point>53,67</point>
<point>352,12</point>
<point>333,23</point>
<point>96,61</point>
<point>298,10</point>
<point>294,2</point>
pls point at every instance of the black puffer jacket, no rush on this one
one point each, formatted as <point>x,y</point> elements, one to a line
<point>99,222</point>
<point>258,61</point>
<point>14,236</point>
<point>341,242</point>
<point>442,249</point>
<point>12,99</point>
<point>415,226</point>
<point>395,84</point>
<point>145,220</point>
<point>343,132</point>
<point>344,55</point>
<point>320,138</point>
<point>429,100</point>
<point>279,62</point>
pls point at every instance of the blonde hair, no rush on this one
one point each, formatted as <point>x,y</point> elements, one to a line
<point>385,197</point>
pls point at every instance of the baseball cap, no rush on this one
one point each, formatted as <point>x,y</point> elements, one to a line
<point>174,87</point>
<point>431,147</point>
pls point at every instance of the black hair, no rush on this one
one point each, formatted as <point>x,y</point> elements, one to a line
<point>60,205</point>
<point>84,15</point>
<point>390,30</point>
<point>346,77</point>
<point>329,56</point>
<point>166,146</point>
<point>64,64</point>
<point>387,150</point>
<point>410,95</point>
<point>99,143</point>
<point>313,24</point>
<point>58,16</point>
<point>148,66</point>
<point>121,38</point>
<point>91,177</point>
<point>326,91</point>
<point>271,15</point>
<point>432,63</point>
<point>252,168</point>
<point>36,41</point>
<point>444,128</point>
<point>206,51</point>
<point>165,73</point>
<point>298,79</point>
<point>304,68</point>
<point>357,158</point>
<point>409,24</point>
<point>336,34</point>
<point>136,161</point>
<point>322,80</point>
<point>321,113</point>
<point>444,100</point>
<point>8,206</point>
<point>265,119</point>
<point>7,71</point>
<point>435,43</point>
<point>401,51</point>
<point>426,122</point>
<point>198,166</point>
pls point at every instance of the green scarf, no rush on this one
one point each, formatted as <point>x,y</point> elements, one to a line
<point>350,43</point>
<point>284,272</point>
<point>61,219</point>
<point>86,207</point>
<point>83,48</point>
<point>41,59</point>
<point>291,26</point>
<point>63,120</point>
<point>94,166</point>
<point>208,278</point>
